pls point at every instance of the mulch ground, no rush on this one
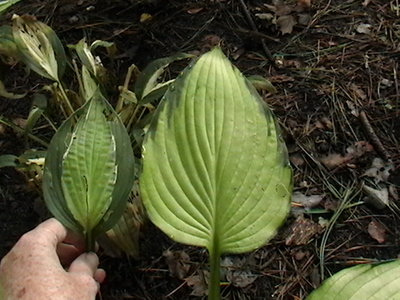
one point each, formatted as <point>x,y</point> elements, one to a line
<point>335,65</point>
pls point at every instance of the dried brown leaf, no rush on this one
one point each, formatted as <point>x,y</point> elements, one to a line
<point>307,201</point>
<point>193,11</point>
<point>304,3</point>
<point>302,231</point>
<point>334,160</point>
<point>379,170</point>
<point>279,8</point>
<point>286,23</point>
<point>364,28</point>
<point>198,284</point>
<point>377,231</point>
<point>178,263</point>
<point>236,273</point>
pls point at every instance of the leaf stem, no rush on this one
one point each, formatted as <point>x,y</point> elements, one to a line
<point>90,242</point>
<point>66,99</point>
<point>214,283</point>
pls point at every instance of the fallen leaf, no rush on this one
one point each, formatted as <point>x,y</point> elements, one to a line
<point>198,284</point>
<point>236,274</point>
<point>377,231</point>
<point>359,149</point>
<point>304,19</point>
<point>331,204</point>
<point>364,28</point>
<point>379,170</point>
<point>358,92</point>
<point>265,16</point>
<point>178,263</point>
<point>307,201</point>
<point>193,11</point>
<point>297,160</point>
<point>279,8</point>
<point>304,3</point>
<point>377,198</point>
<point>302,231</point>
<point>286,24</point>
<point>334,160</point>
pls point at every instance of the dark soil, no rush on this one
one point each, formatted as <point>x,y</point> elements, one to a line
<point>343,62</point>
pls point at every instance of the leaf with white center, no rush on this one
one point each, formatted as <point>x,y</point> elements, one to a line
<point>39,47</point>
<point>366,282</point>
<point>216,172</point>
<point>89,169</point>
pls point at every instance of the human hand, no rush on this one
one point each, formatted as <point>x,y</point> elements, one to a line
<point>33,269</point>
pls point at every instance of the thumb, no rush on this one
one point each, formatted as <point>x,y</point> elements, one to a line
<point>86,264</point>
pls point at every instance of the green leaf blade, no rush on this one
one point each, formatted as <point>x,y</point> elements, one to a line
<point>89,167</point>
<point>215,170</point>
<point>372,282</point>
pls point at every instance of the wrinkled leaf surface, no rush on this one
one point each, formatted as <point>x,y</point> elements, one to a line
<point>367,282</point>
<point>215,171</point>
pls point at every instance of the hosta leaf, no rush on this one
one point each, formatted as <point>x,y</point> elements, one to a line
<point>8,47</point>
<point>147,81</point>
<point>89,169</point>
<point>215,171</point>
<point>5,4</point>
<point>39,46</point>
<point>367,282</point>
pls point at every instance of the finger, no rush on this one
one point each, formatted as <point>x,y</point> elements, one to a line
<point>51,232</point>
<point>76,240</point>
<point>100,275</point>
<point>86,263</point>
<point>67,253</point>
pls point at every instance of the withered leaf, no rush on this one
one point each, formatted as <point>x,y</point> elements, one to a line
<point>286,23</point>
<point>377,231</point>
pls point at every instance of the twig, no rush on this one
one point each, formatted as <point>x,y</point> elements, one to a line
<point>254,27</point>
<point>373,137</point>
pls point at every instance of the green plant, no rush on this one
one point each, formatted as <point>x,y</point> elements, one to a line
<point>88,171</point>
<point>38,47</point>
<point>215,170</point>
<point>372,282</point>
<point>5,4</point>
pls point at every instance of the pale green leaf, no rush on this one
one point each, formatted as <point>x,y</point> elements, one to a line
<point>5,4</point>
<point>85,56</point>
<point>8,48</point>
<point>366,282</point>
<point>8,160</point>
<point>89,85</point>
<point>260,83</point>
<point>39,46</point>
<point>89,169</point>
<point>148,79</point>
<point>216,172</point>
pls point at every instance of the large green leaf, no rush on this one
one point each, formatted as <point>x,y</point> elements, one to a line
<point>89,169</point>
<point>215,172</point>
<point>366,282</point>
